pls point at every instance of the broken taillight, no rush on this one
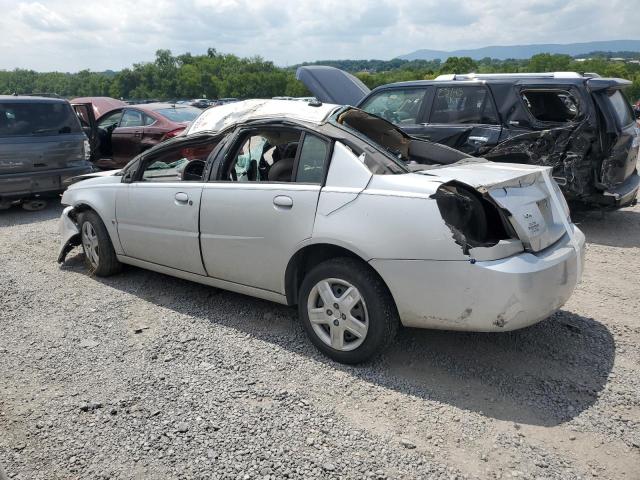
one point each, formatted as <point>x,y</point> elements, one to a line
<point>474,221</point>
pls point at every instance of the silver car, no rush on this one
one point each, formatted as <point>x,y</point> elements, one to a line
<point>337,211</point>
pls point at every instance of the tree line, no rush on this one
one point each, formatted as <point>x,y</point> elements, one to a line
<point>217,75</point>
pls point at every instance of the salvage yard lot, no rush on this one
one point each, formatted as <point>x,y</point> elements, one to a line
<point>142,375</point>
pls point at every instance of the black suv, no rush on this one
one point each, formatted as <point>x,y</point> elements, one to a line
<point>582,126</point>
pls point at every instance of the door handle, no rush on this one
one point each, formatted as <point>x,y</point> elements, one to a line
<point>181,198</point>
<point>137,134</point>
<point>283,201</point>
<point>475,138</point>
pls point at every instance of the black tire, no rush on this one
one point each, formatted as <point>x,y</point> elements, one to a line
<point>107,263</point>
<point>383,320</point>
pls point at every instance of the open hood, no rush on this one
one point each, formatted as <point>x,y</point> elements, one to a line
<point>332,85</point>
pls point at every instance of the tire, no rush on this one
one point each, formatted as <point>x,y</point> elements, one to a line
<point>34,205</point>
<point>356,330</point>
<point>99,255</point>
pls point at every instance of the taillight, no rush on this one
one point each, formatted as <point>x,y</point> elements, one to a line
<point>473,221</point>
<point>173,133</point>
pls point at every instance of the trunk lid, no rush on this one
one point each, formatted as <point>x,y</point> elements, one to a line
<point>332,85</point>
<point>533,204</point>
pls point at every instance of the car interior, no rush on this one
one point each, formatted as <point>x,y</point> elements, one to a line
<point>265,156</point>
<point>463,105</point>
<point>557,106</point>
<point>183,163</point>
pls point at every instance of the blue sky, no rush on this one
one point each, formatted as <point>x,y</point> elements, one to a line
<point>69,35</point>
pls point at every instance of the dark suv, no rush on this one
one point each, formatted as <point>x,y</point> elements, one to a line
<point>582,126</point>
<point>41,145</point>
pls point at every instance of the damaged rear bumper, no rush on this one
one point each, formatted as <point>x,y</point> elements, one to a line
<point>623,195</point>
<point>487,296</point>
<point>69,232</point>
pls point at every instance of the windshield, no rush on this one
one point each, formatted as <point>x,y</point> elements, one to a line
<point>180,114</point>
<point>33,118</point>
<point>621,107</point>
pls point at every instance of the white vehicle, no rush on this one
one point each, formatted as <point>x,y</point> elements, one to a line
<point>334,210</point>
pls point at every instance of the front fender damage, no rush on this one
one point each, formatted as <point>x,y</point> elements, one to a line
<point>69,232</point>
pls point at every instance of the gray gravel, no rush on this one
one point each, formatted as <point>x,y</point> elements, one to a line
<point>145,376</point>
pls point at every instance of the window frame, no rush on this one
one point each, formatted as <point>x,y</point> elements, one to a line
<point>124,112</point>
<point>551,88</point>
<point>134,172</point>
<point>488,96</point>
<point>221,164</point>
<point>421,116</point>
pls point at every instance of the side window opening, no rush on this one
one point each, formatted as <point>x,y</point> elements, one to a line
<point>557,106</point>
<point>463,105</point>
<point>399,106</point>
<point>264,156</point>
<point>132,118</point>
<point>182,163</point>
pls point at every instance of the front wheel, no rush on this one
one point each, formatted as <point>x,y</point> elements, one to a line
<point>347,311</point>
<point>99,255</point>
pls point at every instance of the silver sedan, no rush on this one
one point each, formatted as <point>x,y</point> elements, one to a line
<point>334,210</point>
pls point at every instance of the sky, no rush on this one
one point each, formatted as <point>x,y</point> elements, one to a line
<point>71,35</point>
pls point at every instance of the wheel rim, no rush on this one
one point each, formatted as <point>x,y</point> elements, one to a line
<point>90,243</point>
<point>338,314</point>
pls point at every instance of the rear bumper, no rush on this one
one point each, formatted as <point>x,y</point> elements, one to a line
<point>16,186</point>
<point>489,296</point>
<point>622,195</point>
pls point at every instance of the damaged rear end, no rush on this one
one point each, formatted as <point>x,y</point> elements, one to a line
<point>521,255</point>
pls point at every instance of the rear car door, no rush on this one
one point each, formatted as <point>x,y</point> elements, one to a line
<point>158,212</point>
<point>404,107</point>
<point>127,136</point>
<point>261,205</point>
<point>463,117</point>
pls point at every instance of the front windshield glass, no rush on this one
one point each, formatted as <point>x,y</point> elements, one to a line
<point>180,114</point>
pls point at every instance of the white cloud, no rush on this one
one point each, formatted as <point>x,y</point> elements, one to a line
<point>76,34</point>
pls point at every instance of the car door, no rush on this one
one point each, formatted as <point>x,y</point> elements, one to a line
<point>84,112</point>
<point>463,117</point>
<point>158,213</point>
<point>127,136</point>
<point>261,204</point>
<point>402,106</point>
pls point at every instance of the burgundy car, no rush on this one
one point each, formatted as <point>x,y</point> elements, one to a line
<point>119,132</point>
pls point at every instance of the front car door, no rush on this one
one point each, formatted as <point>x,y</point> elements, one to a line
<point>261,204</point>
<point>463,117</point>
<point>158,213</point>
<point>404,107</point>
<point>85,114</point>
<point>127,137</point>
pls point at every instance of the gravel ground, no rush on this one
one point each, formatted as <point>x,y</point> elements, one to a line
<point>146,376</point>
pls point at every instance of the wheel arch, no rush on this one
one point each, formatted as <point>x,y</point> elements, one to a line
<point>310,255</point>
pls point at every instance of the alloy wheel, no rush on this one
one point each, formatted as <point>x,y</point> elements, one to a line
<point>90,243</point>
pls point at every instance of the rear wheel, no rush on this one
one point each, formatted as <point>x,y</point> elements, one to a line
<point>347,311</point>
<point>99,255</point>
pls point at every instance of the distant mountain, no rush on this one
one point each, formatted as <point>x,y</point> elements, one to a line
<point>526,51</point>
